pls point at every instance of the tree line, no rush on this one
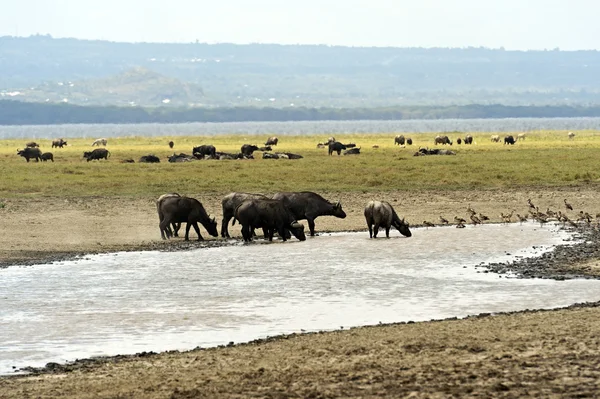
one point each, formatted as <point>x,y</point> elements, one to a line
<point>24,113</point>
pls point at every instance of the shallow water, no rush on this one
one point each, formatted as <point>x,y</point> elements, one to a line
<point>141,301</point>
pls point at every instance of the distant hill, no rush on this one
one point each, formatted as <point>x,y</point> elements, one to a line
<point>295,75</point>
<point>135,86</point>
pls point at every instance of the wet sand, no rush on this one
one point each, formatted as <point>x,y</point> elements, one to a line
<point>527,354</point>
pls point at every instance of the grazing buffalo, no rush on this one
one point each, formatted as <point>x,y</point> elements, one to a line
<point>203,151</point>
<point>100,141</point>
<point>468,139</point>
<point>59,143</point>
<point>171,144</point>
<point>382,214</point>
<point>184,210</point>
<point>337,147</point>
<point>442,140</point>
<point>509,140</point>
<point>29,153</point>
<point>32,144</point>
<point>248,149</point>
<point>400,140</point>
<point>270,215</point>
<point>161,216</point>
<point>149,159</point>
<point>98,153</point>
<point>272,141</point>
<point>352,151</point>
<point>229,203</point>
<point>47,156</point>
<point>308,205</point>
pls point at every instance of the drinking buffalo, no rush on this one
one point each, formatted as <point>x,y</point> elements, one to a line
<point>229,203</point>
<point>47,156</point>
<point>308,205</point>
<point>201,151</point>
<point>272,141</point>
<point>59,143</point>
<point>381,213</point>
<point>29,153</point>
<point>184,210</point>
<point>98,153</point>
<point>270,215</point>
<point>248,149</point>
<point>337,147</point>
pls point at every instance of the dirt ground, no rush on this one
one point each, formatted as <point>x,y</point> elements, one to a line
<point>528,354</point>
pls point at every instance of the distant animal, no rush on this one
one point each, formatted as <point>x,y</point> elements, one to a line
<point>509,140</point>
<point>521,136</point>
<point>400,140</point>
<point>443,220</point>
<point>352,151</point>
<point>269,214</point>
<point>382,214</point>
<point>149,159</point>
<point>272,141</point>
<point>30,153</point>
<point>459,141</point>
<point>330,140</point>
<point>102,141</point>
<point>468,139</point>
<point>350,145</point>
<point>571,135</point>
<point>181,157</point>
<point>374,146</point>
<point>265,148</point>
<point>161,216</point>
<point>32,144</point>
<point>495,138</point>
<point>128,160</point>
<point>409,141</point>
<point>337,147</point>
<point>308,205</point>
<point>229,203</point>
<point>171,144</point>
<point>568,206</point>
<point>185,210</point>
<point>248,149</point>
<point>98,153</point>
<point>203,151</point>
<point>59,143</point>
<point>226,155</point>
<point>47,156</point>
<point>320,145</point>
<point>442,140</point>
<point>288,155</point>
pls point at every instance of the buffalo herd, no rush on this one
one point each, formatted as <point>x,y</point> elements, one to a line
<point>279,213</point>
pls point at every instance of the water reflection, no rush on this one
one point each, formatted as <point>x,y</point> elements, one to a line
<point>131,302</point>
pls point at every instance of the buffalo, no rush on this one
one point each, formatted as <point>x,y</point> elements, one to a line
<point>337,147</point>
<point>226,155</point>
<point>184,210</point>
<point>330,140</point>
<point>442,140</point>
<point>266,148</point>
<point>308,205</point>
<point>400,140</point>
<point>468,139</point>
<point>161,216</point>
<point>203,151</point>
<point>229,203</point>
<point>270,215</point>
<point>59,143</point>
<point>352,151</point>
<point>102,141</point>
<point>459,141</point>
<point>409,141</point>
<point>382,214</point>
<point>509,140</point>
<point>272,141</point>
<point>98,153</point>
<point>32,144</point>
<point>180,158</point>
<point>171,144</point>
<point>149,159</point>
<point>495,138</point>
<point>29,153</point>
<point>248,149</point>
<point>47,156</point>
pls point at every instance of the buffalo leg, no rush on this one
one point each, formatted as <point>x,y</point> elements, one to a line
<point>387,231</point>
<point>370,230</point>
<point>375,230</point>
<point>196,228</point>
<point>247,233</point>
<point>176,227</point>
<point>311,226</point>
<point>224,228</point>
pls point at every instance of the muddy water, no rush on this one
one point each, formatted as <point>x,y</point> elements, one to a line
<point>132,302</point>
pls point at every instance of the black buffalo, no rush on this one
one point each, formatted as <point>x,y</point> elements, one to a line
<point>352,151</point>
<point>400,140</point>
<point>149,159</point>
<point>161,217</point>
<point>442,140</point>
<point>337,147</point>
<point>227,155</point>
<point>468,139</point>
<point>171,144</point>
<point>229,203</point>
<point>409,141</point>
<point>272,141</point>
<point>98,153</point>
<point>47,156</point>
<point>248,149</point>
<point>382,214</point>
<point>30,153</point>
<point>459,141</point>
<point>180,158</point>
<point>509,140</point>
<point>308,205</point>
<point>270,215</point>
<point>59,143</point>
<point>202,151</point>
<point>184,210</point>
<point>266,148</point>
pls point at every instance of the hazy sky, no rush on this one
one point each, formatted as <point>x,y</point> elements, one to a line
<point>513,24</point>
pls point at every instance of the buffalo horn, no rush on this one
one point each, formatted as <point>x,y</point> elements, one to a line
<point>338,205</point>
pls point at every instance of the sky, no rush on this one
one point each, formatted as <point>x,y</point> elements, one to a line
<point>512,24</point>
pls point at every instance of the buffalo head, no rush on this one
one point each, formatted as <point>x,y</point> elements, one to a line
<point>297,229</point>
<point>338,211</point>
